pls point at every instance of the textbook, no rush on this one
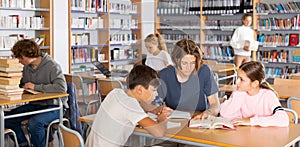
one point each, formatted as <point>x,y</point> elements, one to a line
<point>10,74</point>
<point>218,122</point>
<point>253,45</point>
<point>11,97</point>
<point>31,91</point>
<point>10,81</point>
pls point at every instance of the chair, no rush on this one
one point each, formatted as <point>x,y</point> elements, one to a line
<point>82,96</point>
<point>70,137</point>
<point>107,85</point>
<point>9,131</point>
<point>52,124</point>
<point>292,115</point>
<point>294,104</point>
<point>286,82</point>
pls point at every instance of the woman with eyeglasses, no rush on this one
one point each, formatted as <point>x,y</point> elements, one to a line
<point>189,85</point>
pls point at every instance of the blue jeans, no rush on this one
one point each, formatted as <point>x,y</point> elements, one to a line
<point>36,123</point>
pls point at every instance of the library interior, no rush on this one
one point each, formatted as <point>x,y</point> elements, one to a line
<point>78,60</point>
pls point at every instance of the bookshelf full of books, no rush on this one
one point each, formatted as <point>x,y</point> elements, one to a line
<point>10,75</point>
<point>278,29</point>
<point>30,19</point>
<point>208,22</point>
<point>108,31</point>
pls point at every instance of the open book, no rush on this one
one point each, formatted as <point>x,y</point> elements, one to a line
<point>253,45</point>
<point>31,91</point>
<point>218,122</point>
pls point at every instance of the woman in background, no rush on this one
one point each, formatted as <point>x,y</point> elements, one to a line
<point>158,56</point>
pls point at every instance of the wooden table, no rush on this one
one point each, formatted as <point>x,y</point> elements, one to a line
<point>242,136</point>
<point>284,92</point>
<point>29,98</point>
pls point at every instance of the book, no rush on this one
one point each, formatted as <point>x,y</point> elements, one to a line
<point>11,69</point>
<point>11,97</point>
<point>9,87</point>
<point>18,91</point>
<point>8,61</point>
<point>31,91</point>
<point>10,81</point>
<point>253,45</point>
<point>218,122</point>
<point>10,74</point>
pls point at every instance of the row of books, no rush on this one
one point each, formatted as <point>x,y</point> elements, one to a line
<point>17,4</point>
<point>123,8</point>
<point>90,5</point>
<point>124,38</point>
<point>296,56</point>
<point>23,22</point>
<point>80,39</point>
<point>276,72</point>
<point>281,56</point>
<point>179,24</point>
<point>123,23</point>
<point>273,40</point>
<point>173,38</point>
<point>287,7</point>
<point>227,6</point>
<point>89,88</point>
<point>173,7</point>
<point>83,55</point>
<point>119,54</point>
<point>217,52</point>
<point>7,42</point>
<point>222,24</point>
<point>10,75</point>
<point>217,38</point>
<point>87,22</point>
<point>283,24</point>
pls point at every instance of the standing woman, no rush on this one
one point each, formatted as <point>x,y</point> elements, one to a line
<point>158,56</point>
<point>242,53</point>
<point>189,85</point>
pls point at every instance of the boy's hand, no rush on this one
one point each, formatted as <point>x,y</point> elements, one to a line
<point>166,111</point>
<point>29,85</point>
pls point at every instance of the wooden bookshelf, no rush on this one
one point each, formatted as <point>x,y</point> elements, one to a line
<point>118,21</point>
<point>39,10</point>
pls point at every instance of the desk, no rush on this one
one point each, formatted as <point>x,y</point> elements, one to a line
<point>29,98</point>
<point>284,92</point>
<point>242,136</point>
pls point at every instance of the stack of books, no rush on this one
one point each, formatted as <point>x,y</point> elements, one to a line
<point>10,75</point>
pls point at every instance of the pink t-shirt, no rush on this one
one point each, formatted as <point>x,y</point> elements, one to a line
<point>259,107</point>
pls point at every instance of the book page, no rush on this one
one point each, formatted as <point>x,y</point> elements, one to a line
<point>220,122</point>
<point>200,123</point>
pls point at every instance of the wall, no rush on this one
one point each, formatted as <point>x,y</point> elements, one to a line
<point>147,20</point>
<point>61,33</point>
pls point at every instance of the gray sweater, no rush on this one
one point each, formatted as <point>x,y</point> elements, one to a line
<point>47,77</point>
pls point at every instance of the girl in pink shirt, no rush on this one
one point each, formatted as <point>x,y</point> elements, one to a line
<point>255,102</point>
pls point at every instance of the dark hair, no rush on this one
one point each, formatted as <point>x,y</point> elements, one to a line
<point>256,71</point>
<point>27,48</point>
<point>186,47</point>
<point>158,40</point>
<point>142,75</point>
